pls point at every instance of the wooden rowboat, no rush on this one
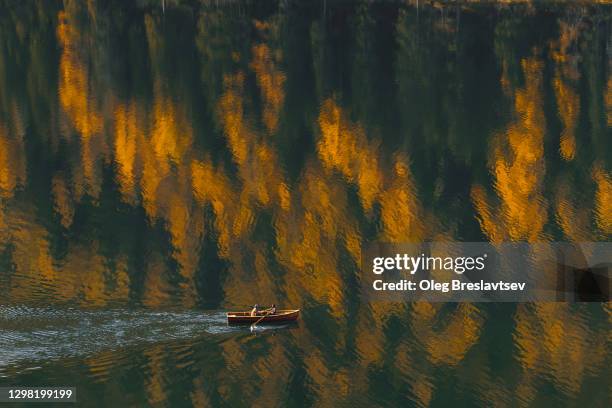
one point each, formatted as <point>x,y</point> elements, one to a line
<point>281,316</point>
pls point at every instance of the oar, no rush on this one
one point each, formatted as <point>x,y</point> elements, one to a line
<point>262,317</point>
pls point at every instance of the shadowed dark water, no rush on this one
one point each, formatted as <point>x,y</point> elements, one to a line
<point>162,165</point>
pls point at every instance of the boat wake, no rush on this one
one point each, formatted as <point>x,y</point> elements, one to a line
<point>39,334</point>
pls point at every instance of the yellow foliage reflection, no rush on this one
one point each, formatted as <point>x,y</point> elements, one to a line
<point>271,81</point>
<point>566,73</point>
<point>554,340</point>
<point>12,162</point>
<point>78,100</point>
<point>129,135</point>
<point>345,147</point>
<point>518,168</point>
<point>401,213</point>
<point>75,89</point>
<point>603,199</point>
<point>569,109</point>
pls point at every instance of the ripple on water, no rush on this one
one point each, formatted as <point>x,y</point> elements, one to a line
<point>30,334</point>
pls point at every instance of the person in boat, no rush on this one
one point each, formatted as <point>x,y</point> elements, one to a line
<point>270,311</point>
<point>255,310</point>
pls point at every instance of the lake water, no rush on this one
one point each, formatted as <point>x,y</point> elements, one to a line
<point>164,162</point>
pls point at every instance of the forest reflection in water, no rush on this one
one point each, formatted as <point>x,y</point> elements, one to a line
<point>212,157</point>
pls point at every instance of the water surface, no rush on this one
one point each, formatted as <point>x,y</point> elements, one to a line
<point>161,165</point>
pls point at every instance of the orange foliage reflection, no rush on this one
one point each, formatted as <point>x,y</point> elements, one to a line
<point>518,167</point>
